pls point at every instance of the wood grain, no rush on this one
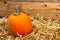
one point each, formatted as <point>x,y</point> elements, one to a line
<point>47,10</point>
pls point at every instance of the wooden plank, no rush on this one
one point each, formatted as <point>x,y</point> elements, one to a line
<point>47,10</point>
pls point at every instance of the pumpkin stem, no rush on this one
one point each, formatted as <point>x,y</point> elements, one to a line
<point>16,10</point>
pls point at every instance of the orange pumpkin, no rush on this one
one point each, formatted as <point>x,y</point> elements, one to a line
<point>19,24</point>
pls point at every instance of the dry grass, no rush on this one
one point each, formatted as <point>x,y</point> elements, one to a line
<point>42,30</point>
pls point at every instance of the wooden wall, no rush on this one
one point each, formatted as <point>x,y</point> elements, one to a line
<point>45,9</point>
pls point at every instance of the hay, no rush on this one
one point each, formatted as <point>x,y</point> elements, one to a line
<point>42,30</point>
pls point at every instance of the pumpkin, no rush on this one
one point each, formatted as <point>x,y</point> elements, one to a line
<point>19,23</point>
